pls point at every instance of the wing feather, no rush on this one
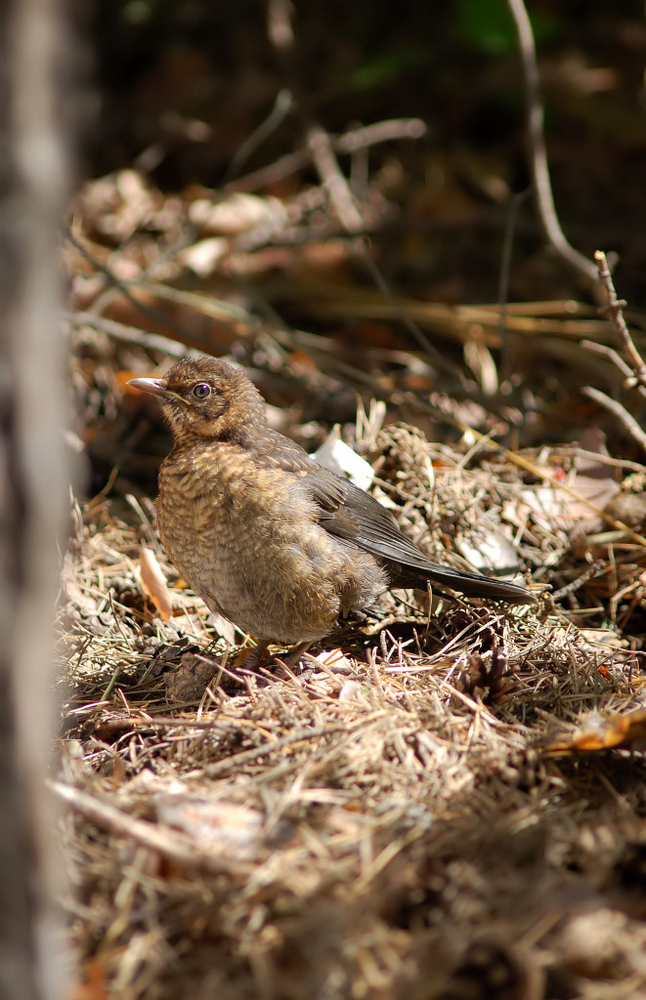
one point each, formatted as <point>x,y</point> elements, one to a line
<point>354,515</point>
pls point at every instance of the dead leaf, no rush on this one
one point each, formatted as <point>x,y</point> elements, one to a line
<point>225,827</point>
<point>337,456</point>
<point>237,214</point>
<point>606,733</point>
<point>334,659</point>
<point>203,256</point>
<point>591,484</point>
<point>190,680</point>
<point>154,582</point>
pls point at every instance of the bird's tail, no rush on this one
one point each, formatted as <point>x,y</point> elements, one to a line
<point>471,584</point>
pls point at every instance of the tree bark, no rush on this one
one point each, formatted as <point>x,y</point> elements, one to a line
<point>33,479</point>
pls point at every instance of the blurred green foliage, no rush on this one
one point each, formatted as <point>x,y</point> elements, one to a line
<point>387,66</point>
<point>486,25</point>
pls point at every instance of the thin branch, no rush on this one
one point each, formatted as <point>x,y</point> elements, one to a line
<point>619,411</point>
<point>320,146</point>
<point>154,314</point>
<point>273,173</point>
<point>570,588</point>
<point>127,334</point>
<point>170,844</point>
<point>350,142</point>
<point>385,131</point>
<point>282,106</point>
<point>345,206</point>
<point>538,156</point>
<point>505,268</point>
<point>614,311</point>
<point>611,354</point>
<point>536,470</point>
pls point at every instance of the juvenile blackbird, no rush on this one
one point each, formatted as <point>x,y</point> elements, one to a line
<point>268,538</point>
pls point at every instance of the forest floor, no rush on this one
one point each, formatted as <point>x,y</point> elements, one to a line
<point>445,800</point>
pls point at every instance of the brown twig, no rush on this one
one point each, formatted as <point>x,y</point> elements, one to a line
<point>345,207</point>
<point>385,131</point>
<point>320,146</point>
<point>614,311</point>
<point>611,354</point>
<point>619,411</point>
<point>122,287</point>
<point>127,334</point>
<point>536,470</point>
<point>350,142</point>
<point>505,271</point>
<point>170,844</point>
<point>282,106</point>
<point>634,370</point>
<point>570,588</point>
<point>538,156</point>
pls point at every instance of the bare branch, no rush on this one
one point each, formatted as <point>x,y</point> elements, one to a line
<point>170,844</point>
<point>611,354</point>
<point>349,142</point>
<point>537,153</point>
<point>613,310</point>
<point>619,411</point>
<point>127,334</point>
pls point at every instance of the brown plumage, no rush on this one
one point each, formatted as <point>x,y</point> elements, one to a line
<point>268,538</point>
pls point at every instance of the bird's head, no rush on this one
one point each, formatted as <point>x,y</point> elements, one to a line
<point>208,399</point>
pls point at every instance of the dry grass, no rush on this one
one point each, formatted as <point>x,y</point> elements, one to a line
<point>388,822</point>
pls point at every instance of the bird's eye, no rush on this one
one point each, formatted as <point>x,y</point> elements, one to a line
<point>202,390</point>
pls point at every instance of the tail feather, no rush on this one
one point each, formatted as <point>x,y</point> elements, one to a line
<point>471,584</point>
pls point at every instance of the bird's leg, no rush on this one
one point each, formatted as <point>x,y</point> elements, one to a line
<point>252,661</point>
<point>292,659</point>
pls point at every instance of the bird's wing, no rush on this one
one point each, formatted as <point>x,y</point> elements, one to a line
<point>343,509</point>
<point>354,515</point>
<point>349,512</point>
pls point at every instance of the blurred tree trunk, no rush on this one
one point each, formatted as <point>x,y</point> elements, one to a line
<point>33,480</point>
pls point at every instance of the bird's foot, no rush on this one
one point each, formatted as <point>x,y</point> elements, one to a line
<point>254,658</point>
